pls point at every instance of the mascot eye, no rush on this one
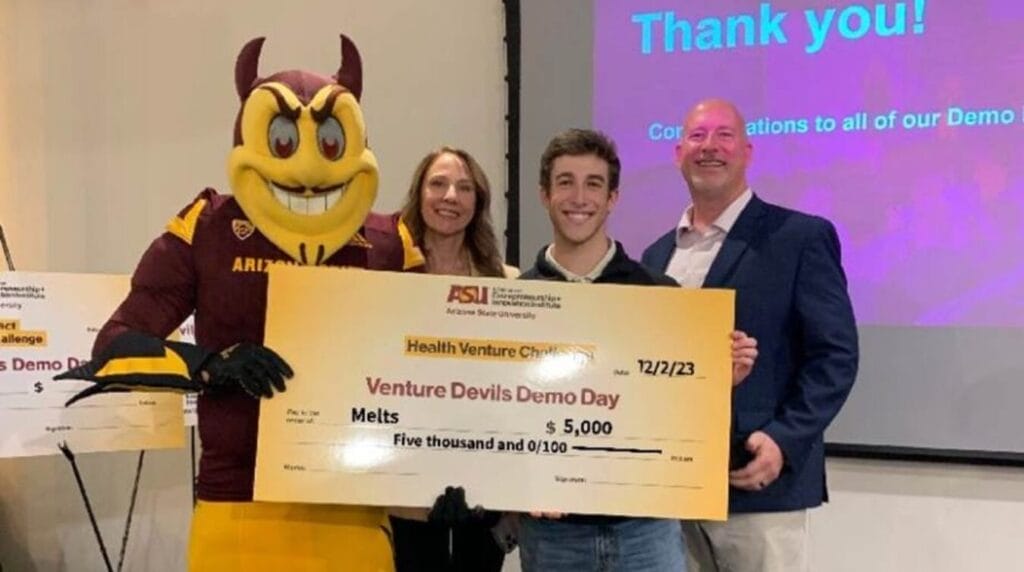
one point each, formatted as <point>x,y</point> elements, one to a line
<point>284,137</point>
<point>331,138</point>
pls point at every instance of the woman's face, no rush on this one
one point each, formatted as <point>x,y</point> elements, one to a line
<point>448,197</point>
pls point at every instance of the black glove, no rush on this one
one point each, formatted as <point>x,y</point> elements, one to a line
<point>450,509</point>
<point>258,370</point>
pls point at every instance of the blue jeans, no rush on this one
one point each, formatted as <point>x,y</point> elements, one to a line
<point>631,545</point>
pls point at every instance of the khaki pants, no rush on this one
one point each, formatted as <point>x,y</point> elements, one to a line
<point>751,542</point>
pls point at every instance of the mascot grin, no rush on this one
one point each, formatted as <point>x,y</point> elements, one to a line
<point>300,168</point>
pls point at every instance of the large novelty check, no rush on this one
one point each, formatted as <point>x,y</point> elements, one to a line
<point>532,395</point>
<point>48,322</point>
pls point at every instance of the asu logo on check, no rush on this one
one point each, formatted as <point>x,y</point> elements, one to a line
<point>467,294</point>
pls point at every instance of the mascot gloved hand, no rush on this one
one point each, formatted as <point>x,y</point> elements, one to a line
<point>451,510</point>
<point>135,360</point>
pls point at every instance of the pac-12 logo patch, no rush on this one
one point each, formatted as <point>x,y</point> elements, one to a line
<point>243,229</point>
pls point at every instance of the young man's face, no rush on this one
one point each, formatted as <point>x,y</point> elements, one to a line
<point>579,199</point>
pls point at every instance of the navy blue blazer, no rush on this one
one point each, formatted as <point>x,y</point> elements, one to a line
<point>791,295</point>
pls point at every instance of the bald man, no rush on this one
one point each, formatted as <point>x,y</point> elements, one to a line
<point>791,295</point>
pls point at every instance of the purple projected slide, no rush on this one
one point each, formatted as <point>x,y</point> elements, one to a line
<point>901,122</point>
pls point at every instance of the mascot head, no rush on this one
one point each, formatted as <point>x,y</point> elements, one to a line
<point>300,168</point>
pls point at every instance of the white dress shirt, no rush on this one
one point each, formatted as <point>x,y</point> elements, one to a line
<point>695,251</point>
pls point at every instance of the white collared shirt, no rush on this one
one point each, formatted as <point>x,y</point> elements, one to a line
<point>589,276</point>
<point>695,251</point>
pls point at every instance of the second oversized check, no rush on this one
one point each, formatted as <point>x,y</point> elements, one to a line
<point>532,395</point>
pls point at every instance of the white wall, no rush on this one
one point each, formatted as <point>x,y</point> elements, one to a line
<point>122,111</point>
<point>900,517</point>
<point>44,526</point>
<point>113,114</point>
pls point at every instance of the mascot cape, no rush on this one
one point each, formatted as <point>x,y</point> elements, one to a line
<point>303,182</point>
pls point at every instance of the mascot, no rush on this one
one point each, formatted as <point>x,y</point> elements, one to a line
<point>303,181</point>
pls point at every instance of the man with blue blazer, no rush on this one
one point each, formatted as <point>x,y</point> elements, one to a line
<point>791,295</point>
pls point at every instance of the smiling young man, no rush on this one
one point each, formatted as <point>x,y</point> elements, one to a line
<point>579,185</point>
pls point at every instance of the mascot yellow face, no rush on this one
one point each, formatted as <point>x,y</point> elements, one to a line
<point>300,168</point>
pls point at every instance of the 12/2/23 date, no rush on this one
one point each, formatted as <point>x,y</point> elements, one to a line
<point>666,368</point>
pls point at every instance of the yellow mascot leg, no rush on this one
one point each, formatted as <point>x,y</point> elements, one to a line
<point>256,536</point>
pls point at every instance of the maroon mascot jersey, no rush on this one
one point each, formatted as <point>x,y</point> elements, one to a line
<point>213,261</point>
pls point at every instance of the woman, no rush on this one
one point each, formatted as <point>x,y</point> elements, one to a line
<point>447,211</point>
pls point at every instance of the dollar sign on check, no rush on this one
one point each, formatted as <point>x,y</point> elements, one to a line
<point>39,387</point>
<point>551,427</point>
